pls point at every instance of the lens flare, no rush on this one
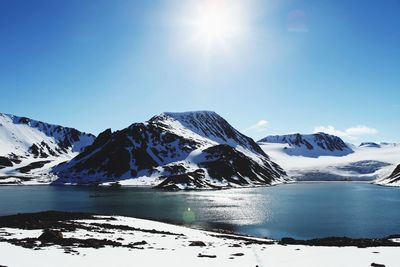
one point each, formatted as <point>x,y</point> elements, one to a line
<point>188,216</point>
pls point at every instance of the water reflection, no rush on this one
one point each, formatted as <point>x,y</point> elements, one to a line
<point>303,210</point>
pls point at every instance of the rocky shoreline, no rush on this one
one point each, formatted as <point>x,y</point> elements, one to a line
<point>83,235</point>
<point>66,221</point>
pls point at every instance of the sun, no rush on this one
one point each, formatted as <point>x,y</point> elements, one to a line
<point>216,24</point>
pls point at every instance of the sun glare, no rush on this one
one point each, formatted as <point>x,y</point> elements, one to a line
<point>216,23</point>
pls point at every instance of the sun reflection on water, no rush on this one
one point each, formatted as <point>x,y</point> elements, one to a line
<point>240,208</point>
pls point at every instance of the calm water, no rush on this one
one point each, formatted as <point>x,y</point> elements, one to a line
<point>303,210</point>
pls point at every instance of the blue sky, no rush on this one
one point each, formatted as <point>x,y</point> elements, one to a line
<point>294,66</point>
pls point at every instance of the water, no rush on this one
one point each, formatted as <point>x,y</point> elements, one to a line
<point>302,210</point>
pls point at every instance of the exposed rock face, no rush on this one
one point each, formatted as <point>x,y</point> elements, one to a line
<point>312,145</point>
<point>222,165</point>
<point>186,150</point>
<point>5,162</point>
<point>24,142</point>
<point>393,179</point>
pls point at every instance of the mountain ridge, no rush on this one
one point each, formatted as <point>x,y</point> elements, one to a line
<point>366,162</point>
<point>27,145</point>
<point>392,180</point>
<point>174,144</point>
<point>311,145</point>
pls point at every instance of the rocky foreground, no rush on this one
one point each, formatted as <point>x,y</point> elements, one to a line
<point>78,239</point>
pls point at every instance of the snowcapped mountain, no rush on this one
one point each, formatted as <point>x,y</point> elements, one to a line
<point>378,145</point>
<point>29,148</point>
<point>174,151</point>
<point>392,180</point>
<point>323,157</point>
<point>311,145</point>
<point>370,144</point>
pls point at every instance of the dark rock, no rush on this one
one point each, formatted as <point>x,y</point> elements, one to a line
<point>191,179</point>
<point>115,185</point>
<point>395,176</point>
<point>5,162</point>
<point>50,236</point>
<point>237,254</point>
<point>141,243</point>
<point>33,165</point>
<point>225,162</point>
<point>43,220</point>
<point>197,244</point>
<point>206,256</point>
<point>23,120</point>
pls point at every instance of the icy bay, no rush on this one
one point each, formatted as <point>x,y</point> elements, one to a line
<point>300,210</point>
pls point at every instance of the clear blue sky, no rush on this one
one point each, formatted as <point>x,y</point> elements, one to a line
<point>296,64</point>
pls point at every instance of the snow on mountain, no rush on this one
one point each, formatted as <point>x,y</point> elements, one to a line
<point>209,125</point>
<point>29,148</point>
<point>174,151</point>
<point>366,162</point>
<point>370,144</point>
<point>392,180</point>
<point>378,145</point>
<point>311,145</point>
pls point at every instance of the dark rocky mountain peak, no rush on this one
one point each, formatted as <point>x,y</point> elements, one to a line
<point>174,147</point>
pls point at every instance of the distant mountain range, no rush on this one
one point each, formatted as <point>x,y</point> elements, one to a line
<point>378,145</point>
<point>311,145</point>
<point>188,150</point>
<point>29,147</point>
<point>324,157</point>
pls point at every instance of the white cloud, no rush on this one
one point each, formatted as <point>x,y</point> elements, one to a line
<point>361,130</point>
<point>352,133</point>
<point>260,127</point>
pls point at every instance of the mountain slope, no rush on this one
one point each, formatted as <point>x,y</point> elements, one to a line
<point>319,163</point>
<point>392,180</point>
<point>29,147</point>
<point>183,150</point>
<point>311,145</point>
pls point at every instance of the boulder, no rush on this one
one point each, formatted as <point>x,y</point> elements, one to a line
<point>197,244</point>
<point>49,235</point>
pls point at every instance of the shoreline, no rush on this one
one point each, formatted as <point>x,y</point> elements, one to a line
<point>120,183</point>
<point>110,184</point>
<point>35,220</point>
<point>74,239</point>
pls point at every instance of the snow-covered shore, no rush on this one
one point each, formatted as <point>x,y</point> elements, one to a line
<point>123,241</point>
